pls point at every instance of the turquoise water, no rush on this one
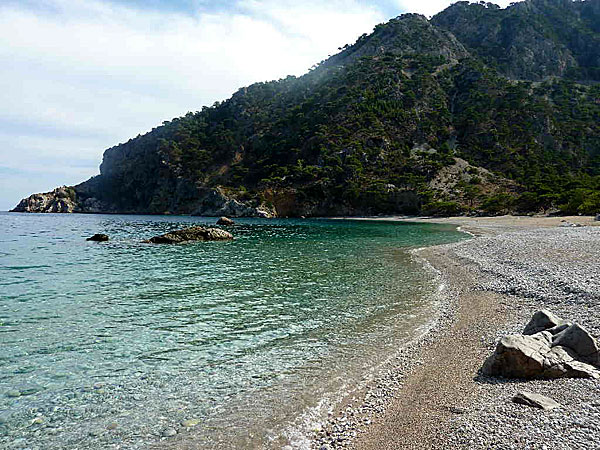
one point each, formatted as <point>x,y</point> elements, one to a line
<point>107,345</point>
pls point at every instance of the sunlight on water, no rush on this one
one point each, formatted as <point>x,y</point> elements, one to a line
<point>108,344</point>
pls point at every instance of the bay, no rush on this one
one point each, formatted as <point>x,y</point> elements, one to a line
<point>247,343</point>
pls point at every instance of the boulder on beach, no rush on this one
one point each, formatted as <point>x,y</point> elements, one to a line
<point>581,342</point>
<point>225,221</point>
<point>558,351</point>
<point>541,320</point>
<point>191,234</point>
<point>98,237</point>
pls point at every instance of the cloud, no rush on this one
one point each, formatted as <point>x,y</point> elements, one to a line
<point>432,7</point>
<point>83,75</point>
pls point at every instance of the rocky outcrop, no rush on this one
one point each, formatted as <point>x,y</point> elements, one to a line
<point>60,200</point>
<point>215,203</point>
<point>64,199</point>
<point>191,234</point>
<point>99,237</point>
<point>561,350</point>
<point>535,400</point>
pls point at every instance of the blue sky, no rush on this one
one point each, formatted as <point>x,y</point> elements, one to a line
<point>79,76</point>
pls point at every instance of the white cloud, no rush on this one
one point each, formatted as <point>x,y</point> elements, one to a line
<point>432,7</point>
<point>86,74</point>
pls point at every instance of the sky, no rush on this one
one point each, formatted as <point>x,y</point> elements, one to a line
<point>79,76</point>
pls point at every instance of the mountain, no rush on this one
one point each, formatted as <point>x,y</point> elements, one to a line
<point>479,109</point>
<point>532,40</point>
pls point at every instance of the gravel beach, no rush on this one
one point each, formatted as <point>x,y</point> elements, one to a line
<point>432,395</point>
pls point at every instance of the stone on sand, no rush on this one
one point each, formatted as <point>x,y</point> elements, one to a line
<point>560,350</point>
<point>535,400</point>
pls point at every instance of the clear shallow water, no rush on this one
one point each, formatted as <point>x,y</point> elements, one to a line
<point>106,345</point>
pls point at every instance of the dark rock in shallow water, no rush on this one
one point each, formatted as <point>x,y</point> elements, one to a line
<point>99,237</point>
<point>535,400</point>
<point>225,221</point>
<point>560,350</point>
<point>192,234</point>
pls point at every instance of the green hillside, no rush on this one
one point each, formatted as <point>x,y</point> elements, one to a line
<point>447,116</point>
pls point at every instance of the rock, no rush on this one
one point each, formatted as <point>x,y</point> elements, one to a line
<point>99,237</point>
<point>542,320</point>
<point>13,393</point>
<point>112,426</point>
<point>216,203</point>
<point>457,410</point>
<point>190,423</point>
<point>61,200</point>
<point>225,221</point>
<point>192,234</point>
<point>518,356</point>
<point>535,400</point>
<point>581,342</point>
<point>597,218</point>
<point>169,432</point>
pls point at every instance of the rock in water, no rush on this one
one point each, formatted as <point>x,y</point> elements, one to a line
<point>192,234</point>
<point>99,237</point>
<point>535,400</point>
<point>225,221</point>
<point>541,320</point>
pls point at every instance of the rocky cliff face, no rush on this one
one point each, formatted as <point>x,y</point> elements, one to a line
<point>530,40</point>
<point>60,200</point>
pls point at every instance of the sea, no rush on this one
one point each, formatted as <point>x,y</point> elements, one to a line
<point>249,343</point>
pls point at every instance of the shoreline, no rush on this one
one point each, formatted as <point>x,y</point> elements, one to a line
<point>433,396</point>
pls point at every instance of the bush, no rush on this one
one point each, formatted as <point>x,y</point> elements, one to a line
<point>442,208</point>
<point>498,204</point>
<point>581,201</point>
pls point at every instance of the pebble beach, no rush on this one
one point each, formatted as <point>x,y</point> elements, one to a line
<point>432,395</point>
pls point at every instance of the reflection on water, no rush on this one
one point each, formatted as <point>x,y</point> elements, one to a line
<point>109,344</point>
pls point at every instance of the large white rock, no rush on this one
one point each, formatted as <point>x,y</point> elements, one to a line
<point>561,351</point>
